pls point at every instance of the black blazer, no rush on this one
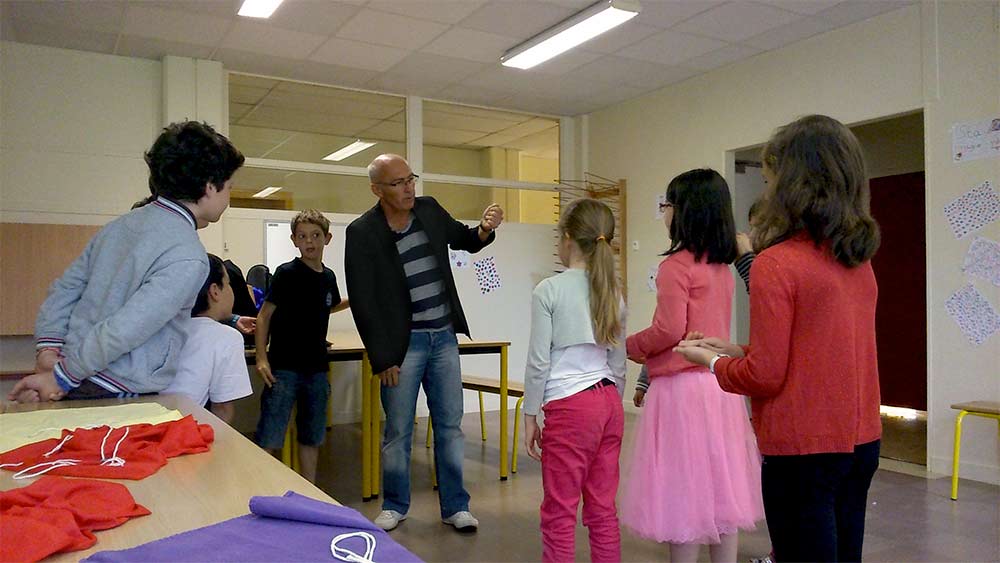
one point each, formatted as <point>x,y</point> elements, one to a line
<point>376,283</point>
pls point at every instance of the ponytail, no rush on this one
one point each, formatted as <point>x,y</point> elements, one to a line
<point>591,225</point>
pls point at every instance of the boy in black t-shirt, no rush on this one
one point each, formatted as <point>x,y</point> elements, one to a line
<point>295,315</point>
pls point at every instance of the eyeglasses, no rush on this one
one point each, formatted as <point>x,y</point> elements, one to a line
<point>412,178</point>
<point>664,206</point>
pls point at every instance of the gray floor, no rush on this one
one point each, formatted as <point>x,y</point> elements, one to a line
<point>909,518</point>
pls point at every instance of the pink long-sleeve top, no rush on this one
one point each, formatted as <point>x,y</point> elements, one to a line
<point>690,295</point>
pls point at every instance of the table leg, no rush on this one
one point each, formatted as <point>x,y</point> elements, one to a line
<point>376,449</point>
<point>366,430</point>
<point>503,413</point>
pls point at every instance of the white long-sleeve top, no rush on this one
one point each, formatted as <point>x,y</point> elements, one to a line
<point>563,355</point>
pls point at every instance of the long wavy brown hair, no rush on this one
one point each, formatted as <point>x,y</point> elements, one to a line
<point>591,225</point>
<point>819,187</point>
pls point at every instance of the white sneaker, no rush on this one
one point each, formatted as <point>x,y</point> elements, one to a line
<point>463,521</point>
<point>389,519</point>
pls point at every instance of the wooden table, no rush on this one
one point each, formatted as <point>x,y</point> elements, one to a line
<point>347,346</point>
<point>191,491</point>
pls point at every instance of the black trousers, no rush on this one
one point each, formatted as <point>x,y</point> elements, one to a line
<point>815,504</point>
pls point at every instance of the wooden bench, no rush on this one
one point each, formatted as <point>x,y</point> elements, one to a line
<point>985,409</point>
<point>489,385</point>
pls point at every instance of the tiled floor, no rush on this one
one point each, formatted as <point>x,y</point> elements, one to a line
<point>910,518</point>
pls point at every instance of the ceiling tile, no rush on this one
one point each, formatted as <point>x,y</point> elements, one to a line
<point>336,75</point>
<point>404,84</point>
<point>616,70</point>
<point>252,81</point>
<point>105,16</point>
<point>390,29</point>
<point>448,137</point>
<point>616,95</point>
<point>444,11</point>
<point>519,19</point>
<point>323,18</point>
<point>624,35</point>
<point>219,8</point>
<point>255,63</point>
<point>671,47</point>
<point>472,95</point>
<point>480,125</point>
<point>267,39</point>
<point>358,55</point>
<point>149,48</point>
<point>470,44</point>
<point>804,7</point>
<point>668,13</point>
<point>736,21</point>
<point>307,121</point>
<point>722,57</point>
<point>856,10</point>
<point>64,37</point>
<point>672,75</point>
<point>430,67</point>
<point>237,110</point>
<point>565,62</point>
<point>502,79</point>
<point>174,25</point>
<point>795,31</point>
<point>386,131</point>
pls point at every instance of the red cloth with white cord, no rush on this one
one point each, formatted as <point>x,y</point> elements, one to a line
<point>128,452</point>
<point>54,514</point>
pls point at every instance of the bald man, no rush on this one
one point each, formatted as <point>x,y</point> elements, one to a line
<point>407,310</point>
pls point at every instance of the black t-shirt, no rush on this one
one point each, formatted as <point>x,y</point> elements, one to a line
<point>302,298</point>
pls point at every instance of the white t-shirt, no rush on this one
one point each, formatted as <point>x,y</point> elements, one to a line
<point>212,364</point>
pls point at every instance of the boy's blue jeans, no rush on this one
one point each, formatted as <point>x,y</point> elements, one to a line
<point>432,361</point>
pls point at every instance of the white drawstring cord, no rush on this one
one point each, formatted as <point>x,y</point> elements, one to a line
<point>348,555</point>
<point>114,460</point>
<point>59,446</point>
<point>51,465</point>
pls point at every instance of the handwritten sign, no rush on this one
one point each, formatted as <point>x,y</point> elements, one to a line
<point>973,140</point>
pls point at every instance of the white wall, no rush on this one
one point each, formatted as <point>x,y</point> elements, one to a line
<point>942,57</point>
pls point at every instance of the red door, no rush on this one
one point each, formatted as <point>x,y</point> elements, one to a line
<point>900,268</point>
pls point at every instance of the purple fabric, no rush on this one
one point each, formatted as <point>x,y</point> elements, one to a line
<point>286,528</point>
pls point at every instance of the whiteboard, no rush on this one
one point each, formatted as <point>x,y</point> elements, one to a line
<point>524,255</point>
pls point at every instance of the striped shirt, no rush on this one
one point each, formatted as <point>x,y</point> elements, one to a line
<point>428,298</point>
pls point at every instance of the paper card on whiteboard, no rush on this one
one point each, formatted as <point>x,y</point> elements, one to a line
<point>460,259</point>
<point>487,275</point>
<point>971,140</point>
<point>973,209</point>
<point>651,277</point>
<point>975,316</point>
<point>983,260</point>
<point>661,202</point>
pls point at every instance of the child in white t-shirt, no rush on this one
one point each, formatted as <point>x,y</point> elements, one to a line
<point>212,366</point>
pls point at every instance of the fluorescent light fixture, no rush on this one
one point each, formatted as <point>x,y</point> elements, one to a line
<point>267,191</point>
<point>569,33</point>
<point>259,8</point>
<point>351,149</point>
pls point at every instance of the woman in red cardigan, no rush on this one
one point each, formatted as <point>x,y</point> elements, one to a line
<point>810,368</point>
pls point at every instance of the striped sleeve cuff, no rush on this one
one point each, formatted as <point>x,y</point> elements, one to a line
<point>743,264</point>
<point>48,342</point>
<point>642,386</point>
<point>64,379</point>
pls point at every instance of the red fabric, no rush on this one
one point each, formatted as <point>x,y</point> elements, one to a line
<point>145,449</point>
<point>690,295</point>
<point>580,446</point>
<point>811,368</point>
<point>54,514</point>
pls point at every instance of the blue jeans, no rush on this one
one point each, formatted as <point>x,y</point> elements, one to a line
<point>310,392</point>
<point>432,361</point>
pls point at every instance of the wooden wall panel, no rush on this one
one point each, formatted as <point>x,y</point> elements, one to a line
<point>32,256</point>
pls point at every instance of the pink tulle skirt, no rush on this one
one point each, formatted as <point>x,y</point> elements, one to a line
<point>694,469</point>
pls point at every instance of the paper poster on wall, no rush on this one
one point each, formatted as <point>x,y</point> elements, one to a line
<point>971,140</point>
<point>973,209</point>
<point>983,260</point>
<point>975,316</point>
<point>487,275</point>
<point>460,259</point>
<point>661,205</point>
<point>651,277</point>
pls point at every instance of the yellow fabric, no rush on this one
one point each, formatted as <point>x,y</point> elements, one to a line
<point>20,428</point>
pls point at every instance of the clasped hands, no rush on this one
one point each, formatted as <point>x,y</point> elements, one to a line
<point>698,349</point>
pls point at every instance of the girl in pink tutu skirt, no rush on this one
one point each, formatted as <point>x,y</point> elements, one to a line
<point>694,474</point>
